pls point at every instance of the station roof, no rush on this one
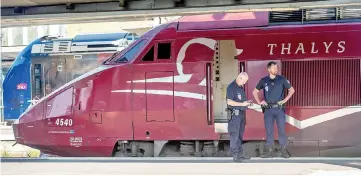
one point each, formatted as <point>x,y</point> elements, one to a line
<point>27,3</point>
<point>45,12</point>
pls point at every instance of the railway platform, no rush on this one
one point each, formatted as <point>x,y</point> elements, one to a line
<point>181,166</point>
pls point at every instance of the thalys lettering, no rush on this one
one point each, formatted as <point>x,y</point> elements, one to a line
<point>313,48</point>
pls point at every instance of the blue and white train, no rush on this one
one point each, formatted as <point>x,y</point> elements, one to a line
<point>49,62</point>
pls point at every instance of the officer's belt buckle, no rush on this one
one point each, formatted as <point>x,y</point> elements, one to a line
<point>274,106</point>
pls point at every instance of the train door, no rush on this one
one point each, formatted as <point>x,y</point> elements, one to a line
<point>34,130</point>
<point>153,98</point>
<point>37,84</point>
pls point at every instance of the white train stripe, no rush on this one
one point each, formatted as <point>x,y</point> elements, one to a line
<point>168,92</point>
<point>330,116</point>
<point>300,124</point>
<point>239,51</point>
<point>169,79</point>
<point>289,119</point>
<point>203,82</point>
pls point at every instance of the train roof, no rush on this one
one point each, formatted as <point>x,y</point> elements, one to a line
<point>88,37</point>
<point>269,18</point>
<point>99,37</point>
<point>104,42</point>
<point>223,21</point>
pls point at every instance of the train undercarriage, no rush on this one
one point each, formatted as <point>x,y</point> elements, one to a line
<point>220,148</point>
<point>182,149</point>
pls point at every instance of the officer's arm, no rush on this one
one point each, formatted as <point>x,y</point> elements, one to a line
<point>259,87</point>
<point>291,90</point>
<point>230,96</point>
<point>234,103</point>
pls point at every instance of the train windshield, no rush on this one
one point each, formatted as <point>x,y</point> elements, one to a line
<point>51,72</point>
<point>131,53</point>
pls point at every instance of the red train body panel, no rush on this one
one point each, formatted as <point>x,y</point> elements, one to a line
<point>167,89</point>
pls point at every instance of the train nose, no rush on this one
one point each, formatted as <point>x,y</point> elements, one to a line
<point>19,138</point>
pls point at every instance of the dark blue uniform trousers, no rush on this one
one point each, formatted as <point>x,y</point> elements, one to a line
<point>270,115</point>
<point>236,128</point>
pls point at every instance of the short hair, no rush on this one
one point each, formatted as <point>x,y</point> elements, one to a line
<point>242,74</point>
<point>271,63</point>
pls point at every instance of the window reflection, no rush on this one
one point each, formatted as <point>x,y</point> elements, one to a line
<point>52,72</point>
<point>130,54</point>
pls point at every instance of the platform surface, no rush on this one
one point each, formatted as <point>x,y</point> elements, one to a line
<point>180,166</point>
<point>6,133</point>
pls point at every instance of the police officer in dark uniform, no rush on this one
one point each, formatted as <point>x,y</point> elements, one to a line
<point>273,87</point>
<point>236,106</point>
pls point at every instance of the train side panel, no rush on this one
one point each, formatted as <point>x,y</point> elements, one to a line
<point>167,105</point>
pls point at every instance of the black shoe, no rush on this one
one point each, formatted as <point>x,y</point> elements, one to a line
<point>237,158</point>
<point>285,153</point>
<point>269,153</point>
<point>245,157</point>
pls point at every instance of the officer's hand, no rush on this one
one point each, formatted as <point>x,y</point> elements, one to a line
<point>250,103</point>
<point>281,102</point>
<point>246,103</point>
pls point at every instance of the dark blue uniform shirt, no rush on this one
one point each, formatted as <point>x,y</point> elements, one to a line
<point>273,89</point>
<point>237,94</point>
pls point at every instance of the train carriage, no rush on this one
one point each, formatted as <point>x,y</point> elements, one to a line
<point>165,94</point>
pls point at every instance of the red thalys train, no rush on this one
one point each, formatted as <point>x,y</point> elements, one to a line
<point>165,94</point>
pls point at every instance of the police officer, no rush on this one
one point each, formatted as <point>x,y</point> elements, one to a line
<point>236,105</point>
<point>273,87</point>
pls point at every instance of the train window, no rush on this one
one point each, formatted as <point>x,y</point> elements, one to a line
<point>164,50</point>
<point>61,104</point>
<point>130,54</point>
<point>38,91</point>
<point>150,55</point>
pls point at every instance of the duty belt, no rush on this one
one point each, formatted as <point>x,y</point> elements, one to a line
<point>269,106</point>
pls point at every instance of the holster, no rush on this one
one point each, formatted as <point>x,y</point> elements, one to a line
<point>229,113</point>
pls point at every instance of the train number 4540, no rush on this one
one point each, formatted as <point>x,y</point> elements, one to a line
<point>64,122</point>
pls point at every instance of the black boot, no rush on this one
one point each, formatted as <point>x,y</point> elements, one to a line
<point>244,156</point>
<point>237,158</point>
<point>269,153</point>
<point>284,152</point>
